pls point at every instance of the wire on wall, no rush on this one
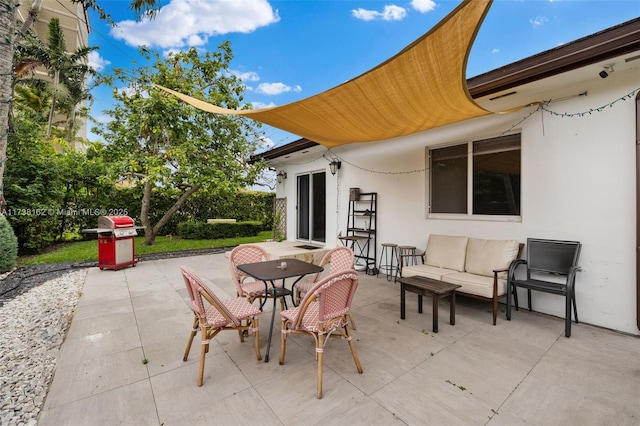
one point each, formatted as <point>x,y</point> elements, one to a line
<point>542,106</point>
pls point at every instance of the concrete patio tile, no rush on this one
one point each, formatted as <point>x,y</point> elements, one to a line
<point>167,355</point>
<point>82,328</point>
<point>181,401</point>
<point>292,395</point>
<point>423,398</point>
<point>76,381</point>
<point>541,402</point>
<point>97,309</point>
<point>101,343</point>
<point>104,292</point>
<point>159,325</point>
<point>570,365</point>
<point>485,364</point>
<point>127,405</point>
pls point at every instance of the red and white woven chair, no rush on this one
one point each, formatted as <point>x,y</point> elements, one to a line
<point>323,313</point>
<point>216,316</point>
<point>246,286</point>
<point>339,259</point>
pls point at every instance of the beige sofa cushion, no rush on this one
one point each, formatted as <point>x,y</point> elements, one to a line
<point>446,251</point>
<point>484,256</point>
<point>478,285</point>
<point>433,272</point>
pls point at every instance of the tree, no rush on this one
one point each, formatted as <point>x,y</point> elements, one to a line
<point>160,142</point>
<point>8,20</point>
<point>68,72</point>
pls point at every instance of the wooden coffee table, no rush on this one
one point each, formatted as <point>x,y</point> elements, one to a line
<point>423,286</point>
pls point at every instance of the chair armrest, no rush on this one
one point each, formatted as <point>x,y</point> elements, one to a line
<point>512,268</point>
<point>402,256</point>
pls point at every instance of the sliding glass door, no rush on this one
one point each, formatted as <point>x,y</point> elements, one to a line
<point>311,207</point>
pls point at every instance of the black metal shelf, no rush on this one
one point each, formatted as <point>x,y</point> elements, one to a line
<point>362,240</point>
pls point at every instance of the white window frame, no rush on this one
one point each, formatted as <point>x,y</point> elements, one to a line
<point>469,215</point>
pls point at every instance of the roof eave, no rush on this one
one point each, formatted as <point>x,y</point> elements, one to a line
<point>610,43</point>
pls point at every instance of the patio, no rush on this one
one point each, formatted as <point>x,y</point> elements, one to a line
<point>522,371</point>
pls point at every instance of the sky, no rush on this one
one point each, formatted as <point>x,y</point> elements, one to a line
<point>286,51</point>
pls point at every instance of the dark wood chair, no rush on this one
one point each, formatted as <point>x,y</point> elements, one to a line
<point>546,259</point>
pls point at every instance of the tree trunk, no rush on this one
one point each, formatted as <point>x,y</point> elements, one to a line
<point>152,232</point>
<point>56,80</point>
<point>33,14</point>
<point>144,213</point>
<point>8,19</point>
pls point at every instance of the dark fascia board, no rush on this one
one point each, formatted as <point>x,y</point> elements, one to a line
<point>606,44</point>
<point>281,151</point>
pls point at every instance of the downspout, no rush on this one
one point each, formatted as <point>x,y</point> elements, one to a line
<point>638,211</point>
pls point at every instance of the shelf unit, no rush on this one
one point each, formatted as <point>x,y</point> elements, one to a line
<point>361,229</point>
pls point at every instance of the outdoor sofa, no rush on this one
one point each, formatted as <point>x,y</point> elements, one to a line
<point>479,266</point>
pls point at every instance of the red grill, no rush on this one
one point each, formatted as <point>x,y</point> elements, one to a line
<point>116,247</point>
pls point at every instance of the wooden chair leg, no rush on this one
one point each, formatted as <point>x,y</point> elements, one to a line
<point>319,348</point>
<point>352,322</point>
<point>256,336</point>
<point>283,342</point>
<point>495,308</point>
<point>353,350</point>
<point>194,331</point>
<point>204,348</point>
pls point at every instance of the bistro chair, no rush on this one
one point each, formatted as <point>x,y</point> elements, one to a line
<point>339,259</point>
<point>246,286</point>
<point>216,316</point>
<point>551,267</point>
<point>323,313</point>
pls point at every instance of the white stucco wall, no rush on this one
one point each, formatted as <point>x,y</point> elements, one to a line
<point>578,183</point>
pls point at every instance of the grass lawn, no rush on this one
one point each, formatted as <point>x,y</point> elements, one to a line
<point>88,250</point>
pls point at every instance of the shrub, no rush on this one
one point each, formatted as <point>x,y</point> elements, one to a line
<point>8,246</point>
<point>214,231</point>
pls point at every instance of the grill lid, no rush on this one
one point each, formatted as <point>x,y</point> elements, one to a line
<point>115,222</point>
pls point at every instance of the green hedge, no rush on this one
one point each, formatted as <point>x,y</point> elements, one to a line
<point>213,231</point>
<point>8,246</point>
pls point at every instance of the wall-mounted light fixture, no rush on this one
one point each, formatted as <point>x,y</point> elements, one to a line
<point>334,166</point>
<point>281,175</point>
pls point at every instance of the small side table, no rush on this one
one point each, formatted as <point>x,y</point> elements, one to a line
<point>423,286</point>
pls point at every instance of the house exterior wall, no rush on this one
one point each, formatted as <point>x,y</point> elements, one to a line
<point>578,183</point>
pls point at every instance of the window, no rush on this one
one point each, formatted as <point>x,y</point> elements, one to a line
<point>479,177</point>
<point>311,207</point>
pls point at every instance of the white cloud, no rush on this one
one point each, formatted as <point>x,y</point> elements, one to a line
<point>97,62</point>
<point>246,76</point>
<point>260,105</point>
<point>185,23</point>
<point>423,6</point>
<point>496,50</point>
<point>276,88</point>
<point>538,21</point>
<point>391,12</point>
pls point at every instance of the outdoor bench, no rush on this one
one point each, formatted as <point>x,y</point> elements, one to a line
<point>479,266</point>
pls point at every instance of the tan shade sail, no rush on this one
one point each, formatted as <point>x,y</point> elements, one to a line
<point>422,87</point>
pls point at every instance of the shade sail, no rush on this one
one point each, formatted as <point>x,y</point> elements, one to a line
<point>421,88</point>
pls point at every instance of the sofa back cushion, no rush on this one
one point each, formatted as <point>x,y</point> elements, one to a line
<point>485,256</point>
<point>446,251</point>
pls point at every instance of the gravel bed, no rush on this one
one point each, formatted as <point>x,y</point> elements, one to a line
<point>34,325</point>
<point>36,308</point>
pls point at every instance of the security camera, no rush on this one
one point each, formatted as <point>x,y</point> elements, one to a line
<point>606,71</point>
